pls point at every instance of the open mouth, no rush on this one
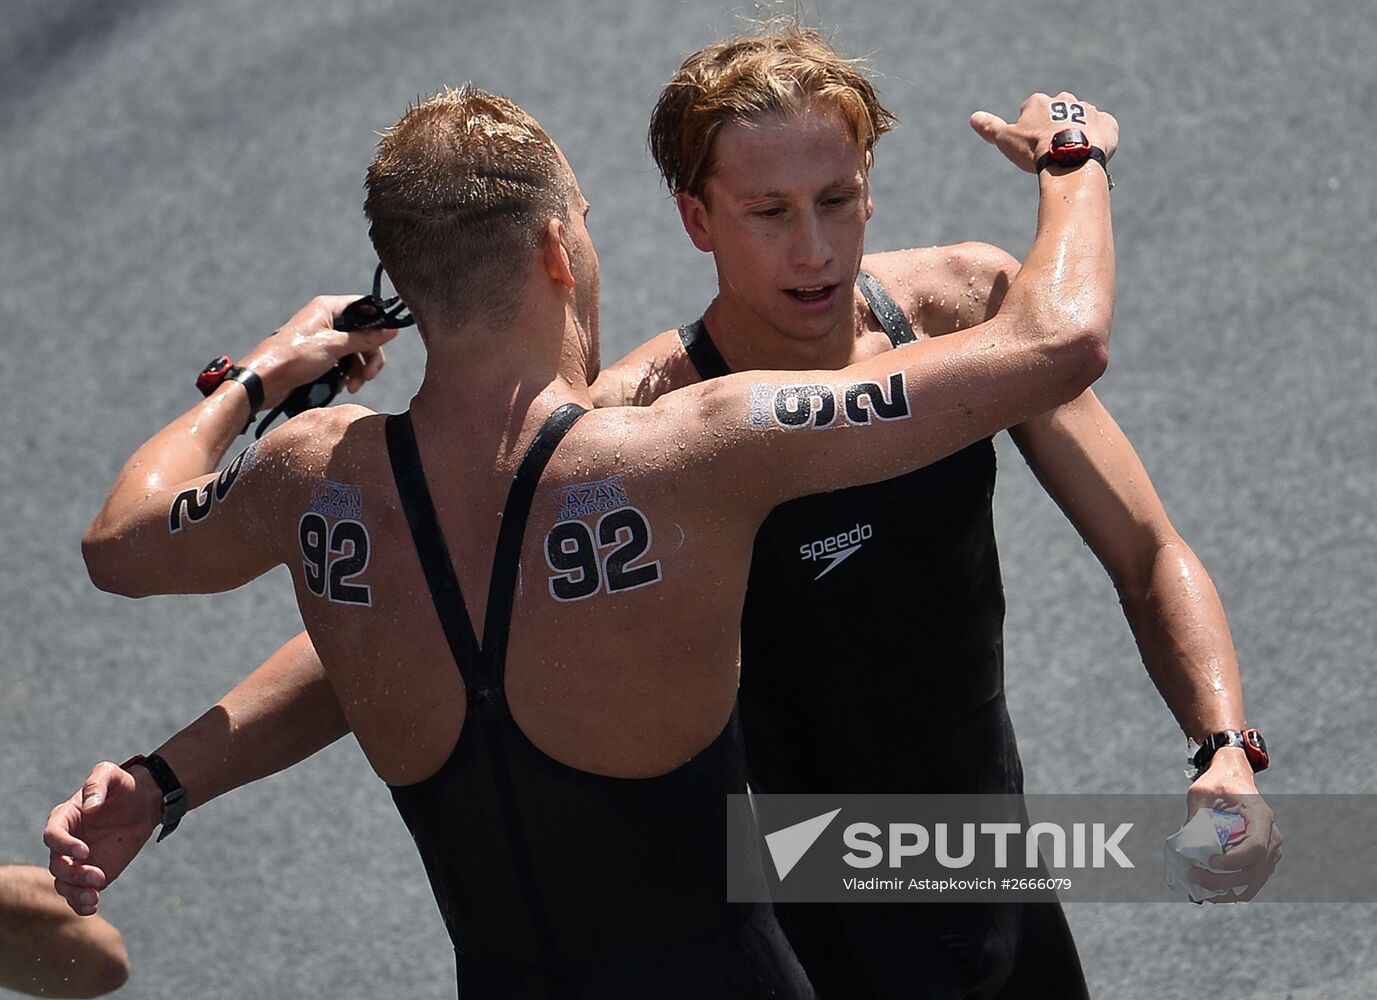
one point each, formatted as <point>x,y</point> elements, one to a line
<point>819,293</point>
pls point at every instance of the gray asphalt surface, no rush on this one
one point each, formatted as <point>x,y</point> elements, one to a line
<point>179,178</point>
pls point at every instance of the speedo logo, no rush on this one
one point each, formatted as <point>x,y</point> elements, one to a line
<point>836,549</point>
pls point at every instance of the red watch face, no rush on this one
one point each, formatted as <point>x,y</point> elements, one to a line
<point>1255,748</point>
<point>213,374</point>
<point>1070,146</point>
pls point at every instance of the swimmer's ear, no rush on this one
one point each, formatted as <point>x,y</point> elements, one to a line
<point>554,256</point>
<point>694,215</point>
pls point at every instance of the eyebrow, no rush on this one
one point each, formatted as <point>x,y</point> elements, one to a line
<point>766,195</point>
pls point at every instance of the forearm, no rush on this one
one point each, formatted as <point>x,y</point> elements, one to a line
<point>194,444</point>
<point>279,715</point>
<point>1178,621</point>
<point>1063,294</point>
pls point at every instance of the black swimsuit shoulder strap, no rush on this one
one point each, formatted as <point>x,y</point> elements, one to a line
<point>886,310</point>
<point>507,557</point>
<point>430,546</point>
<point>481,667</point>
<point>706,358</point>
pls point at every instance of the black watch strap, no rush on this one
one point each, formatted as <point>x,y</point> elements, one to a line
<point>1096,153</point>
<point>252,384</point>
<point>1248,740</point>
<point>174,795</point>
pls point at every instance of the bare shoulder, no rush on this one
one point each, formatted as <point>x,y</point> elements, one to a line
<point>685,448</point>
<point>668,431</point>
<point>646,373</point>
<point>311,442</point>
<point>945,288</point>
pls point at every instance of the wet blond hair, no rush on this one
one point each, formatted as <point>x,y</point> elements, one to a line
<point>780,70</point>
<point>459,192</point>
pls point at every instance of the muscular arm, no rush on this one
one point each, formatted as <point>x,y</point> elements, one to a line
<point>1090,469</point>
<point>45,949</point>
<point>1043,347</point>
<point>137,544</point>
<point>280,714</point>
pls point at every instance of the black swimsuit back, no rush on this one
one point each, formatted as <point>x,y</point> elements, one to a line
<point>555,882</point>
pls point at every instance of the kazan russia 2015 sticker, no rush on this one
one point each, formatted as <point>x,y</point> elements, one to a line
<point>603,559</point>
<point>335,555</point>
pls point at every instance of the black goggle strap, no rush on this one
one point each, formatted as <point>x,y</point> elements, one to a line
<point>368,313</point>
<point>373,311</point>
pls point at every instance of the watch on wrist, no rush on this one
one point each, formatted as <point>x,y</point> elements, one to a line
<point>213,374</point>
<point>1071,148</point>
<point>221,370</point>
<point>174,795</point>
<point>1249,740</point>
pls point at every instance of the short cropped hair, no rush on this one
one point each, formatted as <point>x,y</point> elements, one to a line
<point>779,71</point>
<point>458,194</point>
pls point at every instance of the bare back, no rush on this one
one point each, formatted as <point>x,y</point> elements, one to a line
<point>623,649</point>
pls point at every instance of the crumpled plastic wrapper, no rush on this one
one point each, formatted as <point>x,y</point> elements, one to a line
<point>1209,832</point>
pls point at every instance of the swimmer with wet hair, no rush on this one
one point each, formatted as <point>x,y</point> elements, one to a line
<point>530,734</point>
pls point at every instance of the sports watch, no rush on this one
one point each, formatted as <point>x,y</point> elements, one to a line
<point>1071,148</point>
<point>174,795</point>
<point>1250,740</point>
<point>221,370</point>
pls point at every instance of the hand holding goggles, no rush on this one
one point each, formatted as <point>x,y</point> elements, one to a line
<point>371,312</point>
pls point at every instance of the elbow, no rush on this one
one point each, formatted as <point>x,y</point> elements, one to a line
<point>98,565</point>
<point>1082,355</point>
<point>95,553</point>
<point>114,969</point>
<point>104,968</point>
<point>1092,351</point>
<point>1069,335</point>
<point>1092,324</point>
<point>103,564</point>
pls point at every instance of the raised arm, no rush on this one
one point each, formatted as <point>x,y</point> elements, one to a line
<point>279,715</point>
<point>138,543</point>
<point>778,435</point>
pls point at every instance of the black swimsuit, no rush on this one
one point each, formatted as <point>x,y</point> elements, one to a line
<point>556,882</point>
<point>896,687</point>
